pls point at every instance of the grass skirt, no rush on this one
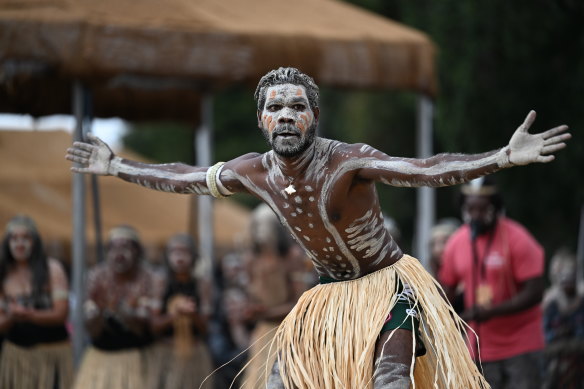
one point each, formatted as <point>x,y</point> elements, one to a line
<point>328,339</point>
<point>168,370</point>
<point>110,370</point>
<point>36,367</point>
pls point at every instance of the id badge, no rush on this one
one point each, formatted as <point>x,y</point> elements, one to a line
<point>484,295</point>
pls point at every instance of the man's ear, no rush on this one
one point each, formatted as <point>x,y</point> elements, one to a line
<point>316,112</point>
<point>259,115</point>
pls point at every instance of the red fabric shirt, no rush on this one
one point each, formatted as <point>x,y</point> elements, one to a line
<point>505,259</point>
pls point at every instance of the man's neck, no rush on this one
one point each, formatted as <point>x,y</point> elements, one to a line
<point>295,166</point>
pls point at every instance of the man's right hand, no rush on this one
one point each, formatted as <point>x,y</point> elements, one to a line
<point>94,157</point>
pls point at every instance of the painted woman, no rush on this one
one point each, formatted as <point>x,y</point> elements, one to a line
<point>182,358</point>
<point>34,306</point>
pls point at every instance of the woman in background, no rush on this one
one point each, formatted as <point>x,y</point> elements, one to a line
<point>181,322</point>
<point>33,296</point>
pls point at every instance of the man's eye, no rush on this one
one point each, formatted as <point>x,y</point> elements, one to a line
<point>274,108</point>
<point>299,107</point>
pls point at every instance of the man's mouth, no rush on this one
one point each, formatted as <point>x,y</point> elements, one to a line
<point>286,134</point>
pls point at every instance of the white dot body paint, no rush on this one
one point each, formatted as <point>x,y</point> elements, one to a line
<point>363,241</point>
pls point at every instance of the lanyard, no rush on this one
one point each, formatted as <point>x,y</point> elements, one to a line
<point>479,263</point>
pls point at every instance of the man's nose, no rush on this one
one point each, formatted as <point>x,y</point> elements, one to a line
<point>286,116</point>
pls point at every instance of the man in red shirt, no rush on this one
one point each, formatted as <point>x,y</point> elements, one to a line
<point>501,266</point>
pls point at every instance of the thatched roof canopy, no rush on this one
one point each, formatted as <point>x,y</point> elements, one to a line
<point>161,54</point>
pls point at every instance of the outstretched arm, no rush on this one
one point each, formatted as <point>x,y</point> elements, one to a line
<point>97,158</point>
<point>451,169</point>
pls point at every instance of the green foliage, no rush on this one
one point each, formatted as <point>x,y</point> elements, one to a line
<point>498,59</point>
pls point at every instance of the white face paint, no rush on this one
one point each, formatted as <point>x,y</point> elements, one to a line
<point>20,243</point>
<point>122,255</point>
<point>287,120</point>
<point>179,255</point>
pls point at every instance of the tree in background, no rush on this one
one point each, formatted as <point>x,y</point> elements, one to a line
<point>496,61</point>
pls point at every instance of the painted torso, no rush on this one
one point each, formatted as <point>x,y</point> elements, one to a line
<point>335,218</point>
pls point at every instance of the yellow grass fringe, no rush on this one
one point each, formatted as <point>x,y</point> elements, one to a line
<point>36,367</point>
<point>167,370</point>
<point>110,370</point>
<point>328,339</point>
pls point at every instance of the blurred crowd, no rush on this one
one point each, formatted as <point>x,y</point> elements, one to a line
<point>170,324</point>
<point>151,324</point>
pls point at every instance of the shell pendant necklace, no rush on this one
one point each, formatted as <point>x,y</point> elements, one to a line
<point>290,189</point>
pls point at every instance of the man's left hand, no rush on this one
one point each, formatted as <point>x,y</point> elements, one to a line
<point>526,148</point>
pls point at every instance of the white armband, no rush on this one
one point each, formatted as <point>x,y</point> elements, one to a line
<point>222,189</point>
<point>214,183</point>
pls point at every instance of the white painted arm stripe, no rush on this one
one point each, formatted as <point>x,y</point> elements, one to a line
<point>435,170</point>
<point>123,168</point>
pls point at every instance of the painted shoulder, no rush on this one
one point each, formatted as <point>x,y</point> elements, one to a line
<point>359,150</point>
<point>332,148</point>
<point>244,162</point>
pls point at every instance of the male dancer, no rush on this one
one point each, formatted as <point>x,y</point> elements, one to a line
<point>340,333</point>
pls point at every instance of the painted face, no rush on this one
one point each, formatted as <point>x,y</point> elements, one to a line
<point>179,257</point>
<point>287,120</point>
<point>122,255</point>
<point>20,243</point>
<point>479,213</point>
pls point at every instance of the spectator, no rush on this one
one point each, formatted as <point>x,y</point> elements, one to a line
<point>271,290</point>
<point>36,353</point>
<point>439,235</point>
<point>564,325</point>
<point>228,331</point>
<point>501,266</point>
<point>183,361</point>
<point>117,312</point>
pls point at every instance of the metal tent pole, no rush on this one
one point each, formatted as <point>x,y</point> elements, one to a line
<point>425,214</point>
<point>79,241</point>
<point>204,149</point>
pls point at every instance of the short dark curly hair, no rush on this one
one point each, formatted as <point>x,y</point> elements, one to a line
<point>286,76</point>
